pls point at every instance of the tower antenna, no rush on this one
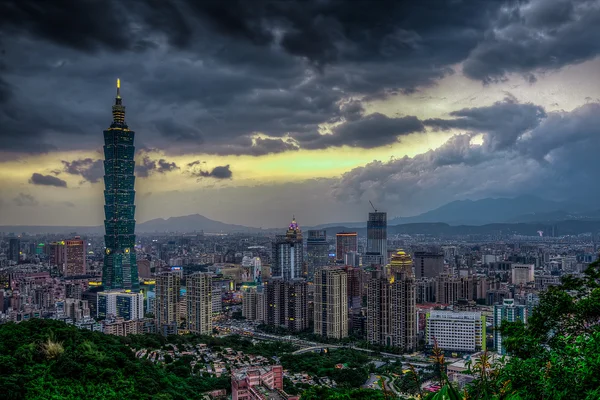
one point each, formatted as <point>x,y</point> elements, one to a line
<point>371,203</point>
<point>118,88</point>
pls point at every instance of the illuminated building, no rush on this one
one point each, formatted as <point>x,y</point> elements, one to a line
<point>120,267</point>
<point>166,300</point>
<point>75,257</point>
<point>199,303</point>
<point>376,253</point>
<point>288,254</point>
<point>345,242</point>
<point>14,250</point>
<point>391,307</point>
<point>331,302</point>
<point>317,251</point>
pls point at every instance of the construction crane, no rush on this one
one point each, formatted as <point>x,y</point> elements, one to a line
<point>371,203</point>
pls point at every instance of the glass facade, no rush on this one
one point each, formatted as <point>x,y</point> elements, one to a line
<point>120,266</point>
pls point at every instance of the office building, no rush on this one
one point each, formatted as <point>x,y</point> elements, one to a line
<point>391,304</point>
<point>317,251</point>
<point>456,331</point>
<point>167,296</point>
<point>126,305</point>
<point>14,250</point>
<point>199,303</point>
<point>259,383</point>
<point>428,264</point>
<point>376,253</point>
<point>522,274</point>
<point>331,302</point>
<point>75,257</point>
<point>288,254</point>
<point>286,304</point>
<point>510,312</point>
<point>119,270</point>
<point>345,242</point>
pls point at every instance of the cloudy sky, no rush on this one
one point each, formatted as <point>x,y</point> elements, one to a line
<point>248,112</point>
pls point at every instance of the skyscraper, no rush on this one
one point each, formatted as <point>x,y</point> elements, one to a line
<point>391,305</point>
<point>14,250</point>
<point>331,302</point>
<point>345,242</point>
<point>120,266</point>
<point>199,303</point>
<point>376,239</point>
<point>317,251</point>
<point>288,254</point>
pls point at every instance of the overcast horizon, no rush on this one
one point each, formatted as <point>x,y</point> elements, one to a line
<point>251,112</point>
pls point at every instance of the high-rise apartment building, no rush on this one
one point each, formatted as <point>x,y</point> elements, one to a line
<point>14,250</point>
<point>456,331</point>
<point>510,312</point>
<point>167,298</point>
<point>286,304</point>
<point>253,303</point>
<point>120,267</point>
<point>75,257</point>
<point>428,264</point>
<point>199,303</point>
<point>331,302</point>
<point>317,251</point>
<point>391,305</point>
<point>376,253</point>
<point>345,242</point>
<point>126,305</point>
<point>288,254</point>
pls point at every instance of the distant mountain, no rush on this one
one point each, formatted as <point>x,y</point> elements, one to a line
<point>190,223</point>
<point>487,211</point>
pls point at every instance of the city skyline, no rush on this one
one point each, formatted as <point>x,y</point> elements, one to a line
<point>310,110</point>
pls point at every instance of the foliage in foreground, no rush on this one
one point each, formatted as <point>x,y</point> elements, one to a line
<point>44,359</point>
<point>555,356</point>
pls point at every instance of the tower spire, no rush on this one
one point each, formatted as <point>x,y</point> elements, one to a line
<point>119,108</point>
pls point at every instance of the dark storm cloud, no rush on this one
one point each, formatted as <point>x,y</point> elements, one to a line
<point>149,166</point>
<point>502,123</point>
<point>219,172</point>
<point>213,76</point>
<point>232,70</point>
<point>554,157</point>
<point>24,199</point>
<point>46,180</point>
<point>91,170</point>
<point>371,131</point>
<point>538,34</point>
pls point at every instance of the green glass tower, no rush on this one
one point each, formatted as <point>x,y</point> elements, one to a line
<point>120,265</point>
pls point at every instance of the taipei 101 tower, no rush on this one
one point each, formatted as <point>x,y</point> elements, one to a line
<point>120,265</point>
